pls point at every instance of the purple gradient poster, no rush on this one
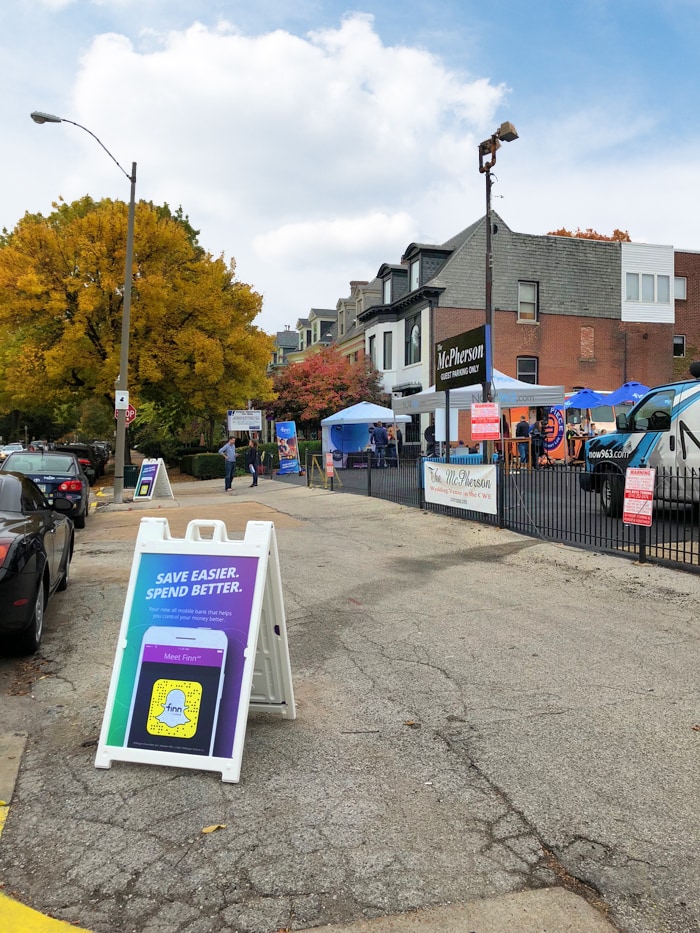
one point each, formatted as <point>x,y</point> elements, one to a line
<point>207,601</point>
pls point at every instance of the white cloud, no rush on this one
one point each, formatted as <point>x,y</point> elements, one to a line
<point>316,148</point>
<point>348,237</point>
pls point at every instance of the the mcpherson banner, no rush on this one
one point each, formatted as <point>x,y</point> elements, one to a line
<point>460,487</point>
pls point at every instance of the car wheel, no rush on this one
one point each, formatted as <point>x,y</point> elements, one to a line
<point>79,520</point>
<point>30,639</point>
<point>612,495</point>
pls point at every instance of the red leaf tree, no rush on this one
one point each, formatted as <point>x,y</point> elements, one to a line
<point>321,385</point>
<point>617,236</point>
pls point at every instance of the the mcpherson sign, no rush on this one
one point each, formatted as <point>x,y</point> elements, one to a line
<point>463,360</point>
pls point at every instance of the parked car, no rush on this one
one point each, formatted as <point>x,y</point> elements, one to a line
<point>102,456</point>
<point>86,457</point>
<point>36,547</point>
<point>56,473</point>
<point>8,448</point>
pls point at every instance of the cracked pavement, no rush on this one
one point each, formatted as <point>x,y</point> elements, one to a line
<point>479,714</point>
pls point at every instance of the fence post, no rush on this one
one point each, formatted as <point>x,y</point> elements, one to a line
<point>369,472</point>
<point>421,482</point>
<point>642,544</point>
<point>501,493</point>
<point>308,471</point>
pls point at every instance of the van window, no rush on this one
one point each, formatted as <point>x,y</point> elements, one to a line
<point>653,413</point>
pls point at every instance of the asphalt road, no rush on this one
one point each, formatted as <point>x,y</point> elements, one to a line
<point>486,724</point>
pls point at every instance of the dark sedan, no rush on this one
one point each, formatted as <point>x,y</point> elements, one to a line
<point>56,474</point>
<point>36,547</point>
<point>87,458</point>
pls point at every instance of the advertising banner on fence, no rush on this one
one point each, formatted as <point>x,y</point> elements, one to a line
<point>286,433</point>
<point>188,648</point>
<point>461,487</point>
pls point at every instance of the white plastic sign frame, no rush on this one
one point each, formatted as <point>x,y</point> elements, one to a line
<point>203,640</point>
<point>153,481</point>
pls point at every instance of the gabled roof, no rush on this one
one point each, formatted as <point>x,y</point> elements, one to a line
<point>287,338</point>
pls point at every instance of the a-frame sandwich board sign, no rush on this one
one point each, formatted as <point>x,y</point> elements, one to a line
<point>203,640</point>
<point>153,481</point>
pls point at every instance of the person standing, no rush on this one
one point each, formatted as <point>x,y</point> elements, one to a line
<point>522,430</point>
<point>229,453</point>
<point>381,442</point>
<point>252,461</point>
<point>537,442</point>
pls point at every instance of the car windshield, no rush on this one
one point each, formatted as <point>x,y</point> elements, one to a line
<point>25,462</point>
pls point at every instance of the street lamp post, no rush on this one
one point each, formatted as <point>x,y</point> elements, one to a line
<point>506,133</point>
<point>122,380</point>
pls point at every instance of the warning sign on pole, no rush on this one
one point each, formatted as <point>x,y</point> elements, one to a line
<point>486,421</point>
<point>639,496</point>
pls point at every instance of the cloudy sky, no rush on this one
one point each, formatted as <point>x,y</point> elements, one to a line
<point>313,140</point>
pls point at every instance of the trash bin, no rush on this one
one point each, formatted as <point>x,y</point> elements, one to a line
<point>131,475</point>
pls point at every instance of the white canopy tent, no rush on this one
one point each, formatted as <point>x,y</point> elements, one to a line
<point>363,413</point>
<point>507,391</point>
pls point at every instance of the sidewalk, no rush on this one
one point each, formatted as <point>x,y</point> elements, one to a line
<point>457,764</point>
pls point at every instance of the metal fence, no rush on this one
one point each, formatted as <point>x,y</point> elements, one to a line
<point>549,503</point>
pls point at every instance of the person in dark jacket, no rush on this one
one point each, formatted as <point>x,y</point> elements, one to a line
<point>522,430</point>
<point>252,461</point>
<point>381,442</point>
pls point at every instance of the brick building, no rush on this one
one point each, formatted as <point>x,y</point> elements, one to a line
<point>567,311</point>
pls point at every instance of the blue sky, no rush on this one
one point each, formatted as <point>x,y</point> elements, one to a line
<point>313,140</point>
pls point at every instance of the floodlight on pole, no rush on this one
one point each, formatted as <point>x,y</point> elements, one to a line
<point>122,380</point>
<point>487,149</point>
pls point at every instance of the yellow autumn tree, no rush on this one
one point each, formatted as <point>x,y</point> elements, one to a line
<point>194,348</point>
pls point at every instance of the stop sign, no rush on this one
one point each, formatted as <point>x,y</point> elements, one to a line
<point>129,414</point>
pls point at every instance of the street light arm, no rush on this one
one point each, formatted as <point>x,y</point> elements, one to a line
<point>39,117</point>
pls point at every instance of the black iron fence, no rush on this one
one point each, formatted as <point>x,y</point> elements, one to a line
<point>550,504</point>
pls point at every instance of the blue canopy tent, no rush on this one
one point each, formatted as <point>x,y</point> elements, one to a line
<point>629,392</point>
<point>347,431</point>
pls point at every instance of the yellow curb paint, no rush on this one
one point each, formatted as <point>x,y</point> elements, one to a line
<point>16,918</point>
<point>4,810</point>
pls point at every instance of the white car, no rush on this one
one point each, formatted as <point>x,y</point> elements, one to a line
<point>8,448</point>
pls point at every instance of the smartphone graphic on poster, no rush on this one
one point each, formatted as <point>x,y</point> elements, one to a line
<point>177,692</point>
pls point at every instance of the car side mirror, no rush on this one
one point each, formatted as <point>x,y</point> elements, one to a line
<point>621,421</point>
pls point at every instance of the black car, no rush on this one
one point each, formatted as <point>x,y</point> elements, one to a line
<point>56,473</point>
<point>36,547</point>
<point>87,458</point>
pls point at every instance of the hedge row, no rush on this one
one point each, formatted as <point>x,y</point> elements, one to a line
<point>212,465</point>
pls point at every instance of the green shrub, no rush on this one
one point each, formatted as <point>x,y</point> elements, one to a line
<point>203,466</point>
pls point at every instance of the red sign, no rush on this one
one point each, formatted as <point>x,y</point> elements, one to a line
<point>639,496</point>
<point>486,425</point>
<point>130,414</point>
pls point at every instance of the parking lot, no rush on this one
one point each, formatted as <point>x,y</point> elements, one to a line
<point>486,722</point>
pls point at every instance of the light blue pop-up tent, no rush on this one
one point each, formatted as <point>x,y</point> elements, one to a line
<point>347,431</point>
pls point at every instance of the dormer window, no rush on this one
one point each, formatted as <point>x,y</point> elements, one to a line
<point>414,275</point>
